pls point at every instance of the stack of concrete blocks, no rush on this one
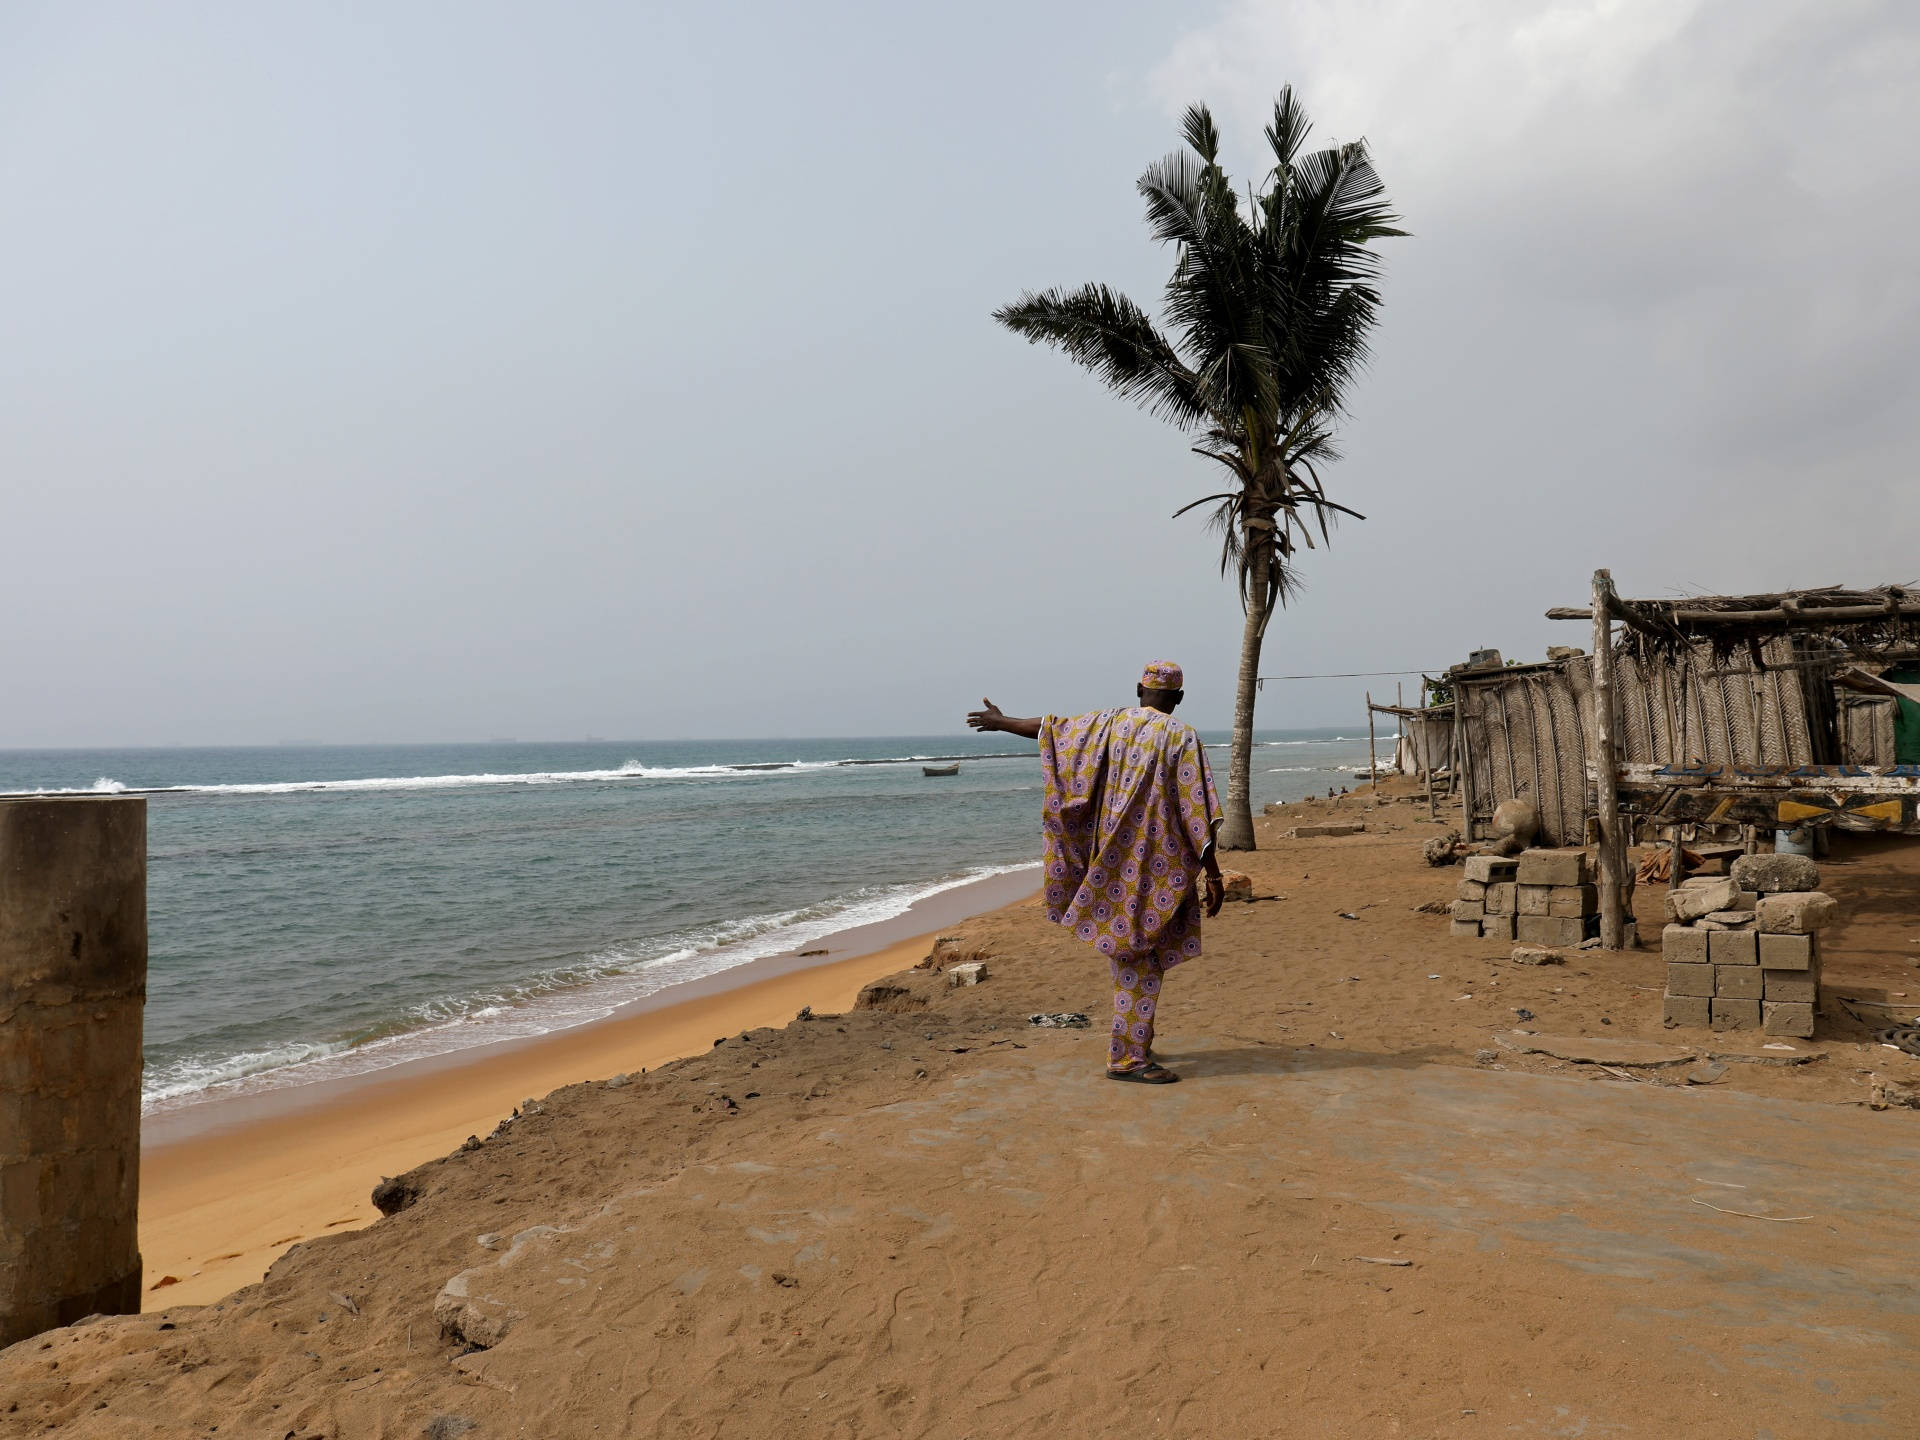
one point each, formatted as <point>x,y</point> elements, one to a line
<point>1743,952</point>
<point>1540,897</point>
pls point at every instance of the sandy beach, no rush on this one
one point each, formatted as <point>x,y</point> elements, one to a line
<point>1372,1205</point>
<point>227,1185</point>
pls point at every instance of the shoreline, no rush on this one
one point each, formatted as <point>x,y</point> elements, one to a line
<point>228,1185</point>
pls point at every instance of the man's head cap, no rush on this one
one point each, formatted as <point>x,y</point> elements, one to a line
<point>1163,675</point>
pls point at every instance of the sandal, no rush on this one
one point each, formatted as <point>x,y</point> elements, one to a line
<point>1152,1073</point>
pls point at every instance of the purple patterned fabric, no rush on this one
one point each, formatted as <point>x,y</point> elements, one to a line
<point>1130,807</point>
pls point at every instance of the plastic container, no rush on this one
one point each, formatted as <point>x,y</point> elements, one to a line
<point>1798,841</point>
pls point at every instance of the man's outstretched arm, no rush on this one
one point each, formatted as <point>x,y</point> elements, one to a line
<point>991,718</point>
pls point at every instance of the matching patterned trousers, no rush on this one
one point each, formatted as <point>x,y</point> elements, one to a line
<point>1136,995</point>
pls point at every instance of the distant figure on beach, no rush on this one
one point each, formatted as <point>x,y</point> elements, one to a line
<point>1129,821</point>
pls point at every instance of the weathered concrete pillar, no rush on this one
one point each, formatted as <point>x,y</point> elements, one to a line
<point>73,981</point>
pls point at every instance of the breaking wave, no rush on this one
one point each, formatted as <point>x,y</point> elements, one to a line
<point>630,771</point>
<point>590,987</point>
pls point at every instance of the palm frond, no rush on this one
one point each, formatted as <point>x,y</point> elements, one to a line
<point>1108,334</point>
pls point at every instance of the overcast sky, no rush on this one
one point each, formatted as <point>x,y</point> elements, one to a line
<point>406,372</point>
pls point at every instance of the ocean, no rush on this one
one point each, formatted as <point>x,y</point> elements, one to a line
<point>319,911</point>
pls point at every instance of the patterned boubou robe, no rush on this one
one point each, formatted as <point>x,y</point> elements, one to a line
<point>1130,808</point>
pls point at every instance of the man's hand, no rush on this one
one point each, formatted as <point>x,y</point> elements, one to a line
<point>991,718</point>
<point>1216,893</point>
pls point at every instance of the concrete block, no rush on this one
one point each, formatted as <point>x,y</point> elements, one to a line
<point>1325,832</point>
<point>1789,952</point>
<point>1791,987</point>
<point>73,960</point>
<point>1728,920</point>
<point>1692,1010</point>
<point>1467,910</point>
<point>1464,929</point>
<point>1733,947</point>
<point>1502,899</point>
<point>1489,869</point>
<point>1775,874</point>
<point>1738,982</point>
<point>1733,1014</point>
<point>970,973</point>
<point>1691,980</point>
<point>1697,898</point>
<point>1783,1019</point>
<point>1472,890</point>
<point>1554,867</point>
<point>1532,899</point>
<point>1497,927</point>
<point>1684,945</point>
<point>1801,913</point>
<point>1549,929</point>
<point>1574,900</point>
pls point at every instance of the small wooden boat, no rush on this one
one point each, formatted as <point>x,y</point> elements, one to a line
<point>931,770</point>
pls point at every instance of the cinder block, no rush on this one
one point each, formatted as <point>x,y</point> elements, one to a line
<point>1733,1014</point>
<point>1553,867</point>
<point>1733,947</point>
<point>1574,900</point>
<point>1472,890</point>
<point>1695,1010</point>
<point>1796,914</point>
<point>1690,980</point>
<point>1497,927</point>
<point>1785,1019</point>
<point>1532,899</point>
<point>1549,929</point>
<point>1684,945</point>
<point>1464,929</point>
<point>1489,869</point>
<point>1791,987</point>
<point>1501,899</point>
<point>1467,910</point>
<point>1738,982</point>
<point>1789,952</point>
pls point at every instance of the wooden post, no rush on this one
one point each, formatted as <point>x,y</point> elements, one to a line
<point>1673,858</point>
<point>1426,748</point>
<point>1605,767</point>
<point>1373,765</point>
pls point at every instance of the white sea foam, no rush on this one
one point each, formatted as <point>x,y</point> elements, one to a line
<point>631,770</point>
<point>590,990</point>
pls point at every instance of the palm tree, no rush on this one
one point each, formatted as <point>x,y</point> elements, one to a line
<point>1271,306</point>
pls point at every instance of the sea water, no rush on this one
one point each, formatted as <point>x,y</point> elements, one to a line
<point>331,910</point>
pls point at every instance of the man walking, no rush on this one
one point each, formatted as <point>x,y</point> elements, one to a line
<point>1129,820</point>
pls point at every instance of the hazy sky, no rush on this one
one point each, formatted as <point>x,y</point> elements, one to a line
<point>403,371</point>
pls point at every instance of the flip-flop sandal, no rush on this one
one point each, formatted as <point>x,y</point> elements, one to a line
<point>1154,1074</point>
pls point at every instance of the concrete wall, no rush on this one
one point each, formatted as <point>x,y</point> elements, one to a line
<point>73,980</point>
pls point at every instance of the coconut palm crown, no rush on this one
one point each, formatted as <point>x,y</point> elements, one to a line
<point>1269,306</point>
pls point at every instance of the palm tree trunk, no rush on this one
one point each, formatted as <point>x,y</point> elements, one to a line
<point>1237,831</point>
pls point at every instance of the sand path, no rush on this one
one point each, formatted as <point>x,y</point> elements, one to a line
<point>942,1222</point>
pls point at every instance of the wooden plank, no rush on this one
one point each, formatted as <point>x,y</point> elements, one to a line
<point>1606,767</point>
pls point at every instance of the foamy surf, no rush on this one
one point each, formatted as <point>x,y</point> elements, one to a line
<point>631,770</point>
<point>579,993</point>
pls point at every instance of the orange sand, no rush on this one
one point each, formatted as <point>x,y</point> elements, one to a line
<point>217,1209</point>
